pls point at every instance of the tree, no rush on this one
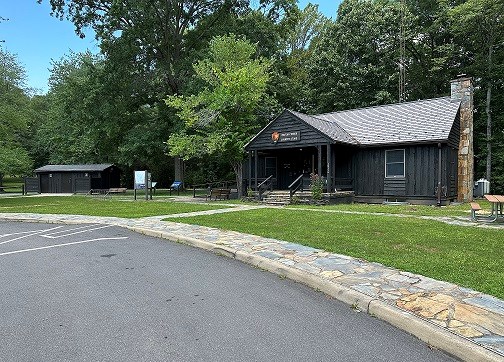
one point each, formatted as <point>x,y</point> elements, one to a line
<point>308,24</point>
<point>221,118</point>
<point>431,56</point>
<point>479,24</point>
<point>161,32</point>
<point>354,63</point>
<point>290,74</point>
<point>160,40</point>
<point>14,115</point>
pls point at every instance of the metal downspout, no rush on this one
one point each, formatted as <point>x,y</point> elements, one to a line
<point>439,176</point>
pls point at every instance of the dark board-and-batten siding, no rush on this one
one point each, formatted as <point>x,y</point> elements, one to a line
<point>394,186</point>
<point>286,122</point>
<point>421,172</point>
<point>454,136</point>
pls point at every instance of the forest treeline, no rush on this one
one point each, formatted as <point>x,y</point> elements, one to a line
<point>193,80</point>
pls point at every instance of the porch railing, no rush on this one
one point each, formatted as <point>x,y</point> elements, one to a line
<point>264,186</point>
<point>296,185</point>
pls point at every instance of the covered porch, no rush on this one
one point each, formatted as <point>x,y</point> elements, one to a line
<point>290,168</point>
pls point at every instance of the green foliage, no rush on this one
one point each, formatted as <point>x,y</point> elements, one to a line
<point>15,161</point>
<point>110,108</point>
<point>14,116</point>
<point>221,118</point>
<point>290,75</point>
<point>478,25</point>
<point>354,61</point>
<point>316,186</point>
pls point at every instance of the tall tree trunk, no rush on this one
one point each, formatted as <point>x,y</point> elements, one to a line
<point>489,114</point>
<point>179,170</point>
<point>238,170</point>
<point>489,132</point>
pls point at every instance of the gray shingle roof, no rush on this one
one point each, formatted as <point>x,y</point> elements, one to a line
<point>74,168</point>
<point>331,129</point>
<point>419,121</point>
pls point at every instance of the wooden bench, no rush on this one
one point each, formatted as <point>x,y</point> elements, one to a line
<point>221,194</point>
<point>474,207</point>
<point>117,190</point>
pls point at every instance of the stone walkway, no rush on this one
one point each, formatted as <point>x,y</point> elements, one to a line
<point>444,315</point>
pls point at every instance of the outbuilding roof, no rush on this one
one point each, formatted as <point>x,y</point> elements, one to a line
<point>75,168</point>
<point>429,120</point>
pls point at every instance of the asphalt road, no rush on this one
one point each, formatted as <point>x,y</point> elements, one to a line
<point>100,293</point>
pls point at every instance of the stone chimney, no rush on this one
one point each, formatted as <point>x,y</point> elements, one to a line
<point>462,91</point>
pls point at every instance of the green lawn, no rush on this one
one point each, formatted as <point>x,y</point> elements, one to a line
<point>451,210</point>
<point>472,257</point>
<point>84,205</point>
<point>13,184</point>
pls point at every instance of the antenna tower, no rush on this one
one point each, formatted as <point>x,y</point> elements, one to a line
<point>402,54</point>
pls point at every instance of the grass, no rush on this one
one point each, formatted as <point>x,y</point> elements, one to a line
<point>82,205</point>
<point>419,210</point>
<point>13,184</point>
<point>471,257</point>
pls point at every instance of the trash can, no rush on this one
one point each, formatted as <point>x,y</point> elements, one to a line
<point>481,187</point>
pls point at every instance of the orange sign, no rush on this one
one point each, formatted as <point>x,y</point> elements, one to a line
<point>275,136</point>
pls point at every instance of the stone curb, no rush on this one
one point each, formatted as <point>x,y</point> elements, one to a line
<point>424,330</point>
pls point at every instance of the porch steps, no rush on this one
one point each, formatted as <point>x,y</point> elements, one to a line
<point>277,198</point>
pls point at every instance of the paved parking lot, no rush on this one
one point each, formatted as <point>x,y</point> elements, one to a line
<point>101,293</point>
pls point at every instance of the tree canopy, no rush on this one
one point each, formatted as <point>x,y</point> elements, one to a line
<point>14,116</point>
<point>229,66</point>
<point>221,118</point>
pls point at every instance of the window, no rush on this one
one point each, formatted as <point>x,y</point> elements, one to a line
<point>394,163</point>
<point>271,166</point>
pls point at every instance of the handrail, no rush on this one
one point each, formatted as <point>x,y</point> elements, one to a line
<point>265,184</point>
<point>265,181</point>
<point>299,182</point>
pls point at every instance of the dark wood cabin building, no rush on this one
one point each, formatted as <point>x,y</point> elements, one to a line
<point>77,178</point>
<point>412,151</point>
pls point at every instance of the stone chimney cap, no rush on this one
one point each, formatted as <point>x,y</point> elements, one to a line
<point>461,77</point>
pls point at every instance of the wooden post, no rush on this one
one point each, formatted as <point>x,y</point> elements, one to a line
<point>146,185</point>
<point>329,169</point>
<point>319,161</point>
<point>255,168</point>
<point>249,170</point>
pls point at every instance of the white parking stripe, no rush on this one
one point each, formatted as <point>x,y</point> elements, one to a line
<point>38,232</point>
<point>49,236</point>
<point>28,232</point>
<point>72,229</point>
<point>60,245</point>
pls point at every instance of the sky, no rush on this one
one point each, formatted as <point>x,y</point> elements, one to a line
<point>37,38</point>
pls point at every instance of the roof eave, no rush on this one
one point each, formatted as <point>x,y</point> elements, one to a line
<point>404,143</point>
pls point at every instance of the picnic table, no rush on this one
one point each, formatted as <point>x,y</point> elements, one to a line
<point>497,205</point>
<point>497,202</point>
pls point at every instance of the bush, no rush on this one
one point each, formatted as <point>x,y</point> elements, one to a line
<point>317,186</point>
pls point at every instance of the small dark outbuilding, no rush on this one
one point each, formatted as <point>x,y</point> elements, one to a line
<point>77,178</point>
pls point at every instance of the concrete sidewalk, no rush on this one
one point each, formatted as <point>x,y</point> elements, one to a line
<point>460,321</point>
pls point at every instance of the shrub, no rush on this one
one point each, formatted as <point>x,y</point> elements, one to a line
<point>317,186</point>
